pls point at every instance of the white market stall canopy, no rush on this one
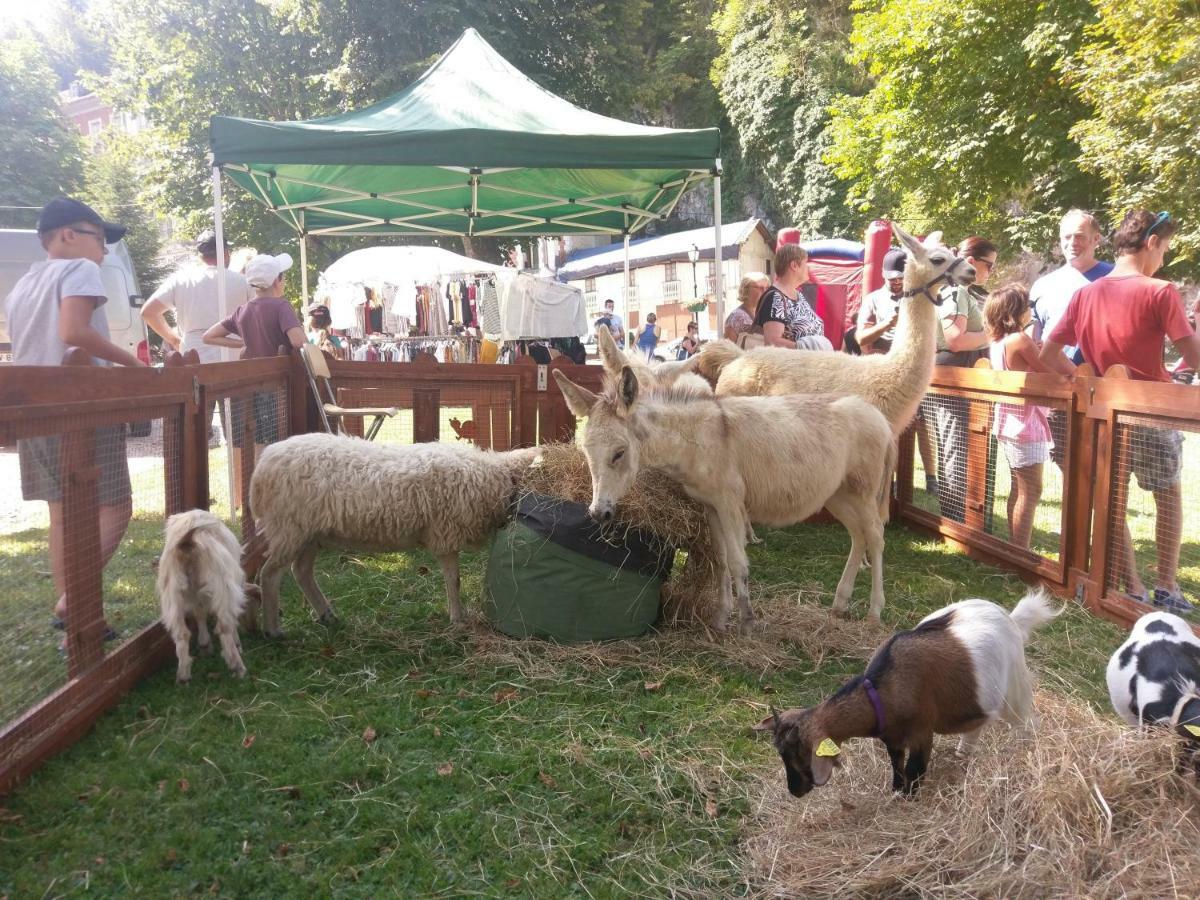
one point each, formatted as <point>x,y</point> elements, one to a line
<point>403,265</point>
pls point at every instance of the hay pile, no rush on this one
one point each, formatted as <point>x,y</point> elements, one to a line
<point>656,505</point>
<point>1087,808</point>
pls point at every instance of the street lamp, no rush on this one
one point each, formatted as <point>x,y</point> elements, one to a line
<point>693,255</point>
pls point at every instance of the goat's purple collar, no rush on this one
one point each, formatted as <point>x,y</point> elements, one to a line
<point>877,704</point>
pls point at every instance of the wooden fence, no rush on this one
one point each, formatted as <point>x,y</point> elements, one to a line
<point>501,407</point>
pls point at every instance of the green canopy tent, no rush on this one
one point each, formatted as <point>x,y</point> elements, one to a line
<point>473,147</point>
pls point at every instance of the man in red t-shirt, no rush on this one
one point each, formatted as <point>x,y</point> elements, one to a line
<point>1122,320</point>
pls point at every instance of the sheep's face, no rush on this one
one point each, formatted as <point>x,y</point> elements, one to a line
<point>611,443</point>
<point>797,744</point>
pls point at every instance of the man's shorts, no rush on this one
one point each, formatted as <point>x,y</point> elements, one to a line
<point>266,418</point>
<point>41,467</point>
<point>1156,456</point>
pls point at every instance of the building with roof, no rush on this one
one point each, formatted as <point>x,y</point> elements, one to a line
<point>662,277</point>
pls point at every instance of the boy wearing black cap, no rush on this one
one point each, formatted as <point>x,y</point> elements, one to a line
<point>58,304</point>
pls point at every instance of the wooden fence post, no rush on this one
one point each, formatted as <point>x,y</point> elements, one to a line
<point>427,411</point>
<point>979,419</point>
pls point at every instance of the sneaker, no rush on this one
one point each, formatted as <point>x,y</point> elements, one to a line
<point>1174,602</point>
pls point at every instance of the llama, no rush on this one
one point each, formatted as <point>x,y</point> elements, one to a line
<point>894,382</point>
<point>959,669</point>
<point>315,490</point>
<point>779,459</point>
<point>672,379</point>
<point>200,573</point>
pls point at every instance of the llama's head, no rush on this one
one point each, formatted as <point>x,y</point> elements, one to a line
<point>931,264</point>
<point>808,758</point>
<point>612,440</point>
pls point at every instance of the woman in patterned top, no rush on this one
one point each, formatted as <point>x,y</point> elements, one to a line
<point>741,320</point>
<point>784,315</point>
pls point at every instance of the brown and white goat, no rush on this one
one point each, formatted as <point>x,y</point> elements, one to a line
<point>959,669</point>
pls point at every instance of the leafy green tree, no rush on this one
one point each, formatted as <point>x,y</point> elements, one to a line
<point>779,68</point>
<point>40,151</point>
<point>1139,70</point>
<point>966,125</point>
<point>113,173</point>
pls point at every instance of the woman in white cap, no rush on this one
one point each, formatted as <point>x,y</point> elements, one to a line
<point>265,326</point>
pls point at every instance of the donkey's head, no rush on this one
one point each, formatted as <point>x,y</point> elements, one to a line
<point>612,440</point>
<point>931,264</point>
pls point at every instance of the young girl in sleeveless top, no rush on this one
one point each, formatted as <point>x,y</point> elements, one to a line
<point>1022,430</point>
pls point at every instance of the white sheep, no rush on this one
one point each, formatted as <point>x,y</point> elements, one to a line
<point>200,573</point>
<point>316,490</point>
<point>959,669</point>
<point>1154,679</point>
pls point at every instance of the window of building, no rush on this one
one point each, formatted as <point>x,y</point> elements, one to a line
<point>669,272</point>
<point>589,285</point>
<point>95,126</point>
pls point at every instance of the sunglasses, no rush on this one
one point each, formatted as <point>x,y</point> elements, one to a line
<point>1158,220</point>
<point>95,234</point>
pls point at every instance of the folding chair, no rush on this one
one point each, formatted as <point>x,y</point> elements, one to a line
<point>318,370</point>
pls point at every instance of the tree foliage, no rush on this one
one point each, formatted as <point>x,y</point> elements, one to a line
<point>40,151</point>
<point>1139,71</point>
<point>779,68</point>
<point>967,123</point>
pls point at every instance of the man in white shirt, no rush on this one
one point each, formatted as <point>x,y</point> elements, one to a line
<point>615,323</point>
<point>1079,237</point>
<point>192,294</point>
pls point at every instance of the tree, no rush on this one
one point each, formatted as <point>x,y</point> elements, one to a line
<point>966,124</point>
<point>113,173</point>
<point>40,155</point>
<point>1139,70</point>
<point>779,67</point>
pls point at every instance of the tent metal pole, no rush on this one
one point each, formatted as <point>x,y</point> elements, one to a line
<point>219,229</point>
<point>718,262</point>
<point>625,293</point>
<point>303,263</point>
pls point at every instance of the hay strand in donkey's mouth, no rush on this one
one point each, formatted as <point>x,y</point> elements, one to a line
<point>657,505</point>
<point>1083,808</point>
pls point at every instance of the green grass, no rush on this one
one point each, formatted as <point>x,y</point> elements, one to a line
<point>568,775</point>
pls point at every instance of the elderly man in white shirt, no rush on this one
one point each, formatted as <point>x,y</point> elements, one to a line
<point>192,293</point>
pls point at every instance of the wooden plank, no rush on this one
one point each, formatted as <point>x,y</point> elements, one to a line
<point>988,381</point>
<point>66,715</point>
<point>80,477</point>
<point>1078,489</point>
<point>427,412</point>
<point>979,419</point>
<point>28,385</point>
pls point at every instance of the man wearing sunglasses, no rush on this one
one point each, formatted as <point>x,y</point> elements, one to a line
<point>58,304</point>
<point>1122,320</point>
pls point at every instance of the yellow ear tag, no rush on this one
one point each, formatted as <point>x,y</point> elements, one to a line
<point>1193,730</point>
<point>828,748</point>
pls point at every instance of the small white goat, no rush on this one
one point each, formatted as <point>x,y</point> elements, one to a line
<point>959,669</point>
<point>200,572</point>
<point>317,490</point>
<point>1154,678</point>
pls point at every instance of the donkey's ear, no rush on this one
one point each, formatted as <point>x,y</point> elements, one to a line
<point>611,356</point>
<point>933,239</point>
<point>628,388</point>
<point>909,242</point>
<point>579,400</point>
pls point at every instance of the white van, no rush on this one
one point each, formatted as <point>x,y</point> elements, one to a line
<point>20,248</point>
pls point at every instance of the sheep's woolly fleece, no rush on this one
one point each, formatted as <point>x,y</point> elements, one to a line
<point>1086,808</point>
<point>657,505</point>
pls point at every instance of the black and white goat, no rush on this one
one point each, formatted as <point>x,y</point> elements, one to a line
<point>1154,678</point>
<point>959,669</point>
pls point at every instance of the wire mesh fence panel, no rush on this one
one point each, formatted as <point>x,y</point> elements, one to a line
<point>481,413</point>
<point>1154,512</point>
<point>252,420</point>
<point>989,465</point>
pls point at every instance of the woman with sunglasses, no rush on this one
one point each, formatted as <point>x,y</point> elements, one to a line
<point>1123,320</point>
<point>961,340</point>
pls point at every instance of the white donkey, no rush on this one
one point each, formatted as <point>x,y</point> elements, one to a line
<point>780,459</point>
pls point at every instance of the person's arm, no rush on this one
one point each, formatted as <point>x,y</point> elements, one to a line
<point>958,338</point>
<point>1053,358</point>
<point>1189,349</point>
<point>221,336</point>
<point>295,336</point>
<point>153,314</point>
<point>773,335</point>
<point>868,335</point>
<point>1026,351</point>
<point>75,328</point>
<point>729,334</point>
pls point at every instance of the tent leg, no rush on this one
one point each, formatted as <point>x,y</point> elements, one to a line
<point>625,292</point>
<point>304,269</point>
<point>718,260</point>
<point>219,229</point>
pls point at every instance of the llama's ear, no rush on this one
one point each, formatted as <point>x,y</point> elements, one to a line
<point>579,400</point>
<point>628,388</point>
<point>906,239</point>
<point>611,356</point>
